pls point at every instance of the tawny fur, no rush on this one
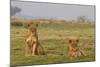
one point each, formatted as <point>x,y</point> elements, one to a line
<point>33,46</point>
<point>73,47</point>
<point>73,50</point>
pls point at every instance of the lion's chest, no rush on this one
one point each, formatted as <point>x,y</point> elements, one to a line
<point>31,40</point>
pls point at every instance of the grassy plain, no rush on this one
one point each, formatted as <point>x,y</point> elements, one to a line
<point>53,37</point>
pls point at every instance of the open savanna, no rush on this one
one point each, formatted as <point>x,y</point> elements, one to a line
<point>53,38</point>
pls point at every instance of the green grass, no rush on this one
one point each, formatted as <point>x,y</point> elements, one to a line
<point>53,37</point>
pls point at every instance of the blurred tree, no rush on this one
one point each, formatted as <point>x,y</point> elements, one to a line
<point>15,10</point>
<point>82,19</point>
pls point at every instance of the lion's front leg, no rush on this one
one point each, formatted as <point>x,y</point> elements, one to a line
<point>27,50</point>
<point>28,47</point>
<point>34,49</point>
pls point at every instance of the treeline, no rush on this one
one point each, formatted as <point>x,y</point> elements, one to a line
<point>23,22</point>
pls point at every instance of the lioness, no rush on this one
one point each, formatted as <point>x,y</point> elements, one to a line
<point>33,46</point>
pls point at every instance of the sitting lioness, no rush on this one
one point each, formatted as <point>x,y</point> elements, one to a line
<point>33,46</point>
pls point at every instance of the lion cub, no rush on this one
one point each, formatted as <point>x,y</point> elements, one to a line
<point>73,47</point>
<point>73,50</point>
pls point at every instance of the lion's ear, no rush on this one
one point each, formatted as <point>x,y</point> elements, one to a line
<point>69,41</point>
<point>28,25</point>
<point>36,24</point>
<point>77,40</point>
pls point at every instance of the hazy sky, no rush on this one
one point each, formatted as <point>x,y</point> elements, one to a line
<point>49,10</point>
